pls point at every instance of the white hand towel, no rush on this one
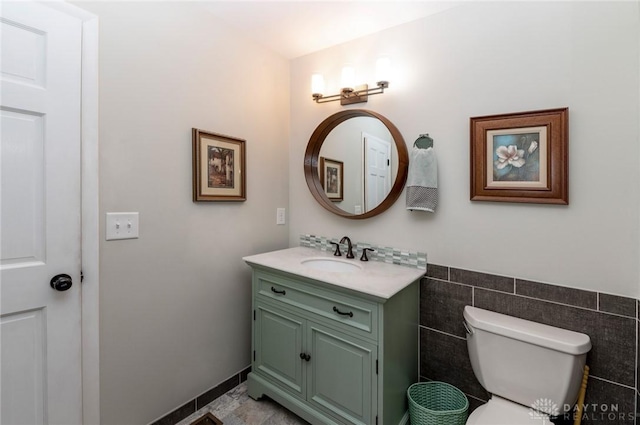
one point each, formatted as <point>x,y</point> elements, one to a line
<point>422,181</point>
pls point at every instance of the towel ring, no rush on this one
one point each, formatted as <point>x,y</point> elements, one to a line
<point>423,142</point>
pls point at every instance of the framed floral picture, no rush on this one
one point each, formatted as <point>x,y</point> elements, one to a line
<point>219,171</point>
<point>521,157</point>
<point>331,177</point>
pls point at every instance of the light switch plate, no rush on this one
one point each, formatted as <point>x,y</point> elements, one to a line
<point>122,226</point>
<point>280,216</point>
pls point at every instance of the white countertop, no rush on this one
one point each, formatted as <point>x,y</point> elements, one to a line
<point>375,278</point>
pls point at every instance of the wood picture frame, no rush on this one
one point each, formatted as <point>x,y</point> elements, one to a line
<point>521,157</point>
<point>332,178</point>
<point>219,167</point>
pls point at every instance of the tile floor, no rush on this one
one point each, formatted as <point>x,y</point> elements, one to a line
<point>236,408</point>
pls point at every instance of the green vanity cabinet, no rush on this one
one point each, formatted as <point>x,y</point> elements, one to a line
<point>341,375</point>
<point>333,355</point>
<point>277,347</point>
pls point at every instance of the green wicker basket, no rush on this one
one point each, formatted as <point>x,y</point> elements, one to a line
<point>437,403</point>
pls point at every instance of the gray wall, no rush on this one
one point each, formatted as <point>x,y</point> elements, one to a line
<point>175,303</point>
<point>491,58</point>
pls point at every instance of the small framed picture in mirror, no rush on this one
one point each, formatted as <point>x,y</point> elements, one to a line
<point>331,175</point>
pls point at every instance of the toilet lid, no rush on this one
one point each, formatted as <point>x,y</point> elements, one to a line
<point>499,411</point>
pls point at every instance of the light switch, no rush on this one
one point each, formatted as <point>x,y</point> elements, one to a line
<point>122,226</point>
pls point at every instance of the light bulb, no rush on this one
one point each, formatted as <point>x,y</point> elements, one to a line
<point>317,84</point>
<point>383,69</point>
<point>348,77</point>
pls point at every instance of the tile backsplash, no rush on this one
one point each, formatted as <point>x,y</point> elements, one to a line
<point>381,253</point>
<point>610,321</point>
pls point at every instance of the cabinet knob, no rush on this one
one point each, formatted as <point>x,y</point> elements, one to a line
<point>304,356</point>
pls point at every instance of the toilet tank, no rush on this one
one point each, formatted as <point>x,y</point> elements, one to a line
<point>526,362</point>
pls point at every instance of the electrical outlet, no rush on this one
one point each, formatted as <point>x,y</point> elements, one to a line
<point>122,226</point>
<point>280,216</point>
<point>357,209</point>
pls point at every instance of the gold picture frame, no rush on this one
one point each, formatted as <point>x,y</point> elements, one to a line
<point>219,167</point>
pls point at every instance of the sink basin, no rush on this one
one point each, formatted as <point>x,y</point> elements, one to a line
<point>331,265</point>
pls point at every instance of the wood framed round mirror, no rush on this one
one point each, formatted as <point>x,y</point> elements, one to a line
<point>355,149</point>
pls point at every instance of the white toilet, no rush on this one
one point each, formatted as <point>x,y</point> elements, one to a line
<point>531,370</point>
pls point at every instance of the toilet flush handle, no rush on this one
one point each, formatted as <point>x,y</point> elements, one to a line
<point>467,327</point>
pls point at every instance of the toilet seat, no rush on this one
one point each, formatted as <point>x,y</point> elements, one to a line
<point>499,411</point>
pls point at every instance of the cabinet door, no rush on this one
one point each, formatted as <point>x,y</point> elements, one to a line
<point>342,376</point>
<point>278,342</point>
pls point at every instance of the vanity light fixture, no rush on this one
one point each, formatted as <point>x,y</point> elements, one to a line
<point>350,93</point>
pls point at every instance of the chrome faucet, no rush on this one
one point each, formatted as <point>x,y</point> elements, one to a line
<point>349,246</point>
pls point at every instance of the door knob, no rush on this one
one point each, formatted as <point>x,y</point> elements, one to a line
<point>61,282</point>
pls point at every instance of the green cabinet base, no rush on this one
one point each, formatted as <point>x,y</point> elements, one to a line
<point>333,356</point>
<point>258,387</point>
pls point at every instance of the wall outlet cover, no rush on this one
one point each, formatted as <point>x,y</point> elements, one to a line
<point>281,216</point>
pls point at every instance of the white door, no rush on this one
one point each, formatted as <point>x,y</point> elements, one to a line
<point>377,170</point>
<point>40,342</point>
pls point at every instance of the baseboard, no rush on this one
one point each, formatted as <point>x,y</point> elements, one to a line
<point>203,399</point>
<point>405,419</point>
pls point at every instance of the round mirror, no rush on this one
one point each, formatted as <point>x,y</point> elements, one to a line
<point>356,163</point>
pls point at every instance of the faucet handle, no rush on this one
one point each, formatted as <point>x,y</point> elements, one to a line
<point>337,252</point>
<point>364,254</point>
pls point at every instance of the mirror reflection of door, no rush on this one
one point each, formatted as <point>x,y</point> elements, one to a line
<point>377,170</point>
<point>345,143</point>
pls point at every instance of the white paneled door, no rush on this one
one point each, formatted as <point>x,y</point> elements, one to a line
<point>40,211</point>
<point>377,170</point>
